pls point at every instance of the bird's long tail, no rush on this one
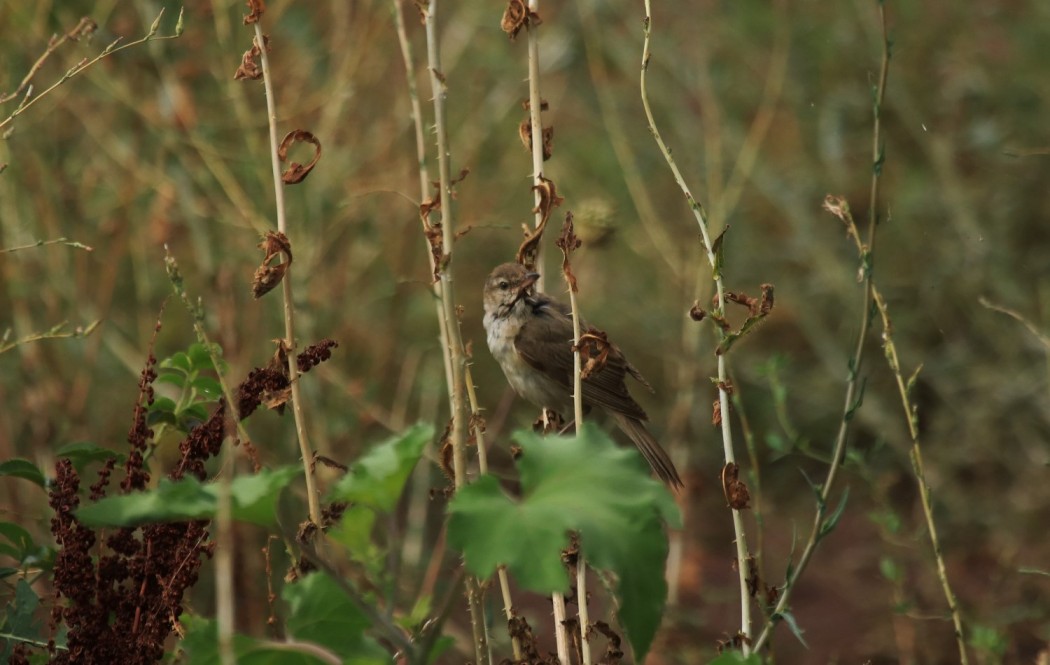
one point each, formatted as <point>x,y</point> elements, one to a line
<point>650,448</point>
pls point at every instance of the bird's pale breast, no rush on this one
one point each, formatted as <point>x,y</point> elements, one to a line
<point>536,387</point>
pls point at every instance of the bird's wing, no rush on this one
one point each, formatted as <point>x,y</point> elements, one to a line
<point>545,343</point>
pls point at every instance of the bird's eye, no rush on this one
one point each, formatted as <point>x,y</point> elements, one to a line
<point>504,284</point>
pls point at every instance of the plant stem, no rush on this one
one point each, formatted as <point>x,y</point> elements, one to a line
<point>912,417</point>
<point>286,290</point>
<point>459,392</point>
<point>852,401</point>
<point>424,176</point>
<point>581,603</point>
<point>536,121</point>
<point>723,395</point>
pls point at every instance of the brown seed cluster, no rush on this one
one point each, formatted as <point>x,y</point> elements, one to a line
<point>120,594</point>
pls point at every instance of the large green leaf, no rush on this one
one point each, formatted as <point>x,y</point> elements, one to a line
<point>378,478</point>
<point>19,622</point>
<point>321,613</point>
<point>254,500</point>
<point>201,647</point>
<point>20,468</point>
<point>585,484</point>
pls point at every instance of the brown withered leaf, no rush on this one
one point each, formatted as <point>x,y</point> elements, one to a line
<point>716,413</point>
<point>432,231</point>
<point>530,247</point>
<point>568,243</point>
<point>296,172</point>
<point>765,305</point>
<point>516,16</point>
<point>743,299</point>
<point>275,401</point>
<point>548,422</point>
<point>250,69</point>
<point>525,134</point>
<point>613,653</point>
<point>256,8</point>
<point>268,274</point>
<point>734,489</point>
<point>527,104</point>
<point>753,579</point>
<point>445,453</point>
<point>594,352</point>
<point>328,462</point>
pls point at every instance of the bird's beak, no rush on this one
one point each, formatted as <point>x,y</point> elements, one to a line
<point>526,285</point>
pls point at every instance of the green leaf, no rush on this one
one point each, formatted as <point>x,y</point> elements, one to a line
<point>201,646</point>
<point>162,405</point>
<point>378,478</point>
<point>21,541</point>
<point>178,361</point>
<point>789,619</point>
<point>20,468</point>
<point>832,521</point>
<point>208,387</point>
<point>83,453</point>
<point>18,622</point>
<point>320,612</point>
<point>177,379</point>
<point>254,500</point>
<point>354,532</point>
<point>201,358</point>
<point>255,496</point>
<point>585,484</point>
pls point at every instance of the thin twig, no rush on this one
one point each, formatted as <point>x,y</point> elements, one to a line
<point>723,395</point>
<point>84,64</point>
<point>43,243</point>
<point>853,388</point>
<point>439,93</point>
<point>424,176</point>
<point>56,332</point>
<point>912,417</point>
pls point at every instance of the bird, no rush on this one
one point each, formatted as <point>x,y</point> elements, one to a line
<point>531,336</point>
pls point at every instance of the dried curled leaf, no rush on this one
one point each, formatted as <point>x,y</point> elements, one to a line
<point>549,200</point>
<point>594,348</point>
<point>568,243</point>
<point>268,275</point>
<point>516,16</point>
<point>737,496</point>
<point>296,172</point>
<point>758,309</point>
<point>432,231</point>
<point>445,453</point>
<point>525,134</point>
<point>250,69</point>
<point>256,8</point>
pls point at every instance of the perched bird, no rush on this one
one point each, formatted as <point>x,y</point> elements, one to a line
<point>530,335</point>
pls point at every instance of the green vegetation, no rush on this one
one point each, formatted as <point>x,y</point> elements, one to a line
<point>307,455</point>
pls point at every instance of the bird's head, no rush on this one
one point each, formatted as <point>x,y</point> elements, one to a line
<point>507,285</point>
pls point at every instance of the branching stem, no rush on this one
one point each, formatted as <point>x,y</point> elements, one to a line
<point>723,375</point>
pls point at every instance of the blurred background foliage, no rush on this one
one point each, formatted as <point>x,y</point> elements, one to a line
<point>768,109</point>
